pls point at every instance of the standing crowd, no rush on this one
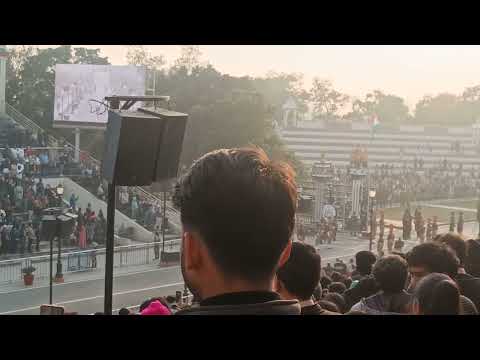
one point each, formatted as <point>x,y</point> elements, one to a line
<point>238,257</point>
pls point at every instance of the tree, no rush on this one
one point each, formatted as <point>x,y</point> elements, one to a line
<point>390,109</point>
<point>442,109</point>
<point>88,56</point>
<point>140,56</point>
<point>189,58</point>
<point>276,88</point>
<point>469,105</point>
<point>326,100</point>
<point>224,110</point>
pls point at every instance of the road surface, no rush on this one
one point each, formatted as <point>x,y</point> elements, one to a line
<point>86,296</point>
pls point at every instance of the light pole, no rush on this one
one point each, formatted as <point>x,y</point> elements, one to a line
<point>59,274</point>
<point>164,218</point>
<point>371,194</point>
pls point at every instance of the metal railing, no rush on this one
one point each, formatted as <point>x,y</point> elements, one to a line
<point>22,119</point>
<point>86,260</point>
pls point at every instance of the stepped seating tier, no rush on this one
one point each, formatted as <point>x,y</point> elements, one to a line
<point>391,147</point>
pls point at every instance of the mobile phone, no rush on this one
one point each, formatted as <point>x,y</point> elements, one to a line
<point>51,310</point>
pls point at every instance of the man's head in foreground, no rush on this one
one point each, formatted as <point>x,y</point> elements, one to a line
<point>237,212</point>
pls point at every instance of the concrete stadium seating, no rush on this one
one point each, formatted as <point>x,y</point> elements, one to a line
<point>309,144</point>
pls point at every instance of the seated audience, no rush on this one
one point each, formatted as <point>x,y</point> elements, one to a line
<point>436,294</point>
<point>436,257</point>
<point>468,284</point>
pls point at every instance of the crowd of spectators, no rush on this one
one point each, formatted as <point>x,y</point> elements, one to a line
<point>410,184</point>
<point>243,262</point>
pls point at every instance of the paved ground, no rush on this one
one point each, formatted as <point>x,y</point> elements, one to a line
<point>83,292</point>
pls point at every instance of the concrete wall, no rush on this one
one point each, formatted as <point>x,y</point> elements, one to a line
<point>311,124</point>
<point>460,130</point>
<point>411,128</point>
<point>84,197</point>
<point>357,125</point>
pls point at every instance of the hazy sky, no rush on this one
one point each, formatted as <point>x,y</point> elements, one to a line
<point>407,71</point>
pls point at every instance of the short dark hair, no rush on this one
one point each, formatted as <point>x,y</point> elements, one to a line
<point>301,273</point>
<point>336,276</point>
<point>338,300</point>
<point>243,207</point>
<point>391,273</point>
<point>325,281</point>
<point>364,261</point>
<point>457,244</point>
<point>337,287</point>
<point>436,257</point>
<point>170,299</point>
<point>438,294</point>
<point>348,282</point>
<point>123,311</point>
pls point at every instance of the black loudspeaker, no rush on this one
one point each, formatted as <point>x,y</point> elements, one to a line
<point>48,227</point>
<point>143,146</point>
<point>65,225</point>
<point>57,225</point>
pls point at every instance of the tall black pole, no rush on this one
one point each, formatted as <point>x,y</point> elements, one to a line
<point>163,221</point>
<point>51,270</point>
<point>109,249</point>
<point>371,225</point>
<point>59,274</point>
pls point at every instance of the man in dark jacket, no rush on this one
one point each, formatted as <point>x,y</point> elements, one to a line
<point>391,274</point>
<point>469,285</point>
<point>299,277</point>
<point>436,257</point>
<point>364,285</point>
<point>237,210</point>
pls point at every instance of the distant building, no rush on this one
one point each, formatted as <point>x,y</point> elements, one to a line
<point>290,113</point>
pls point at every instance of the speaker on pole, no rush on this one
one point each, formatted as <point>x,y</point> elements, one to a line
<point>142,147</point>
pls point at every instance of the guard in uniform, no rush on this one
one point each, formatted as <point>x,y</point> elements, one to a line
<point>460,223</point>
<point>318,237</point>
<point>398,246</point>
<point>332,227</point>
<point>354,225</point>
<point>390,239</point>
<point>374,225</point>
<point>434,227</point>
<point>452,222</point>
<point>407,224</point>
<point>421,230</point>
<point>325,233</point>
<point>380,243</point>
<point>429,230</point>
<point>301,232</point>
<point>418,221</point>
<point>381,225</point>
